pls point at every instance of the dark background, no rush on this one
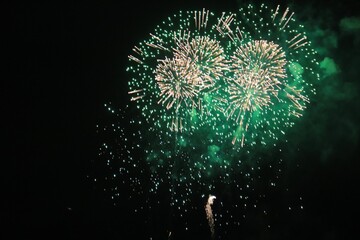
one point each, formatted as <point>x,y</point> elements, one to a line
<point>65,60</point>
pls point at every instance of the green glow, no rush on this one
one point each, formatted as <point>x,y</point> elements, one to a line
<point>329,66</point>
<point>350,24</point>
<point>213,153</point>
<point>296,70</point>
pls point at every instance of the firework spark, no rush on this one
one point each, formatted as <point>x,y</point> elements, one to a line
<point>258,68</point>
<point>206,54</point>
<point>209,214</point>
<point>178,82</point>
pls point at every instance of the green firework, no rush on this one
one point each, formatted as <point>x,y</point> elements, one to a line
<point>243,77</point>
<point>213,89</point>
<point>273,68</point>
<point>176,70</point>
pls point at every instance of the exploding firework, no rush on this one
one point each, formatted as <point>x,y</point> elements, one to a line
<point>176,71</point>
<point>273,69</point>
<point>258,66</point>
<point>179,84</point>
<point>209,88</point>
<point>235,80</point>
<point>255,67</point>
<point>207,55</point>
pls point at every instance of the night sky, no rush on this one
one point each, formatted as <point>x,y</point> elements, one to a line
<point>67,60</point>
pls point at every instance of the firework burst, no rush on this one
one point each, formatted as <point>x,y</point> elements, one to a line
<point>272,70</point>
<point>206,54</point>
<point>240,78</point>
<point>202,82</point>
<point>258,67</point>
<point>176,71</point>
<point>179,83</point>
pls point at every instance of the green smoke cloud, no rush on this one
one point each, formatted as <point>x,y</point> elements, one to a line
<point>351,24</point>
<point>329,67</point>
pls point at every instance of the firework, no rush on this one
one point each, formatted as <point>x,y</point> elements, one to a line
<point>209,214</point>
<point>206,54</point>
<point>179,84</point>
<point>235,80</point>
<point>267,88</point>
<point>212,86</point>
<point>177,69</point>
<point>209,87</point>
<point>255,69</point>
<point>258,67</point>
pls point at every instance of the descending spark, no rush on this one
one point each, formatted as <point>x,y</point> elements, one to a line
<point>209,215</point>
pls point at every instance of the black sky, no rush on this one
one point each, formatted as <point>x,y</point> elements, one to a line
<point>66,60</point>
